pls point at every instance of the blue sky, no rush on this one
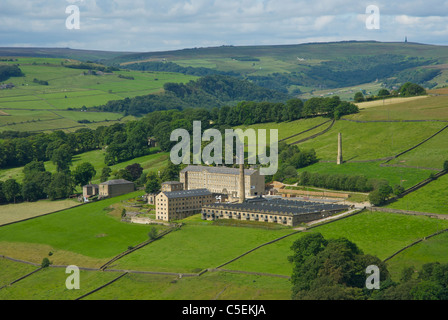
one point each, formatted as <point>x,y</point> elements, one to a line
<point>156,25</point>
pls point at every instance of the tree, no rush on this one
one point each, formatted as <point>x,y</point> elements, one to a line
<point>33,167</point>
<point>383,93</point>
<point>152,234</point>
<point>330,269</point>
<point>11,190</point>
<point>398,190</point>
<point>380,195</point>
<point>123,174</point>
<point>410,89</point>
<point>83,173</point>
<point>2,195</point>
<point>62,157</point>
<point>61,186</point>
<point>445,165</point>
<point>31,191</point>
<point>359,97</point>
<point>45,263</point>
<point>170,172</point>
<point>105,174</point>
<point>135,171</point>
<point>152,184</point>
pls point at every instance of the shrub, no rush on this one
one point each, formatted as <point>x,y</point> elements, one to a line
<point>45,263</point>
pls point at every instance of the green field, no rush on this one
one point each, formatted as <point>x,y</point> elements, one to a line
<point>430,250</point>
<point>380,234</point>
<point>288,129</point>
<point>49,284</point>
<point>406,177</point>
<point>431,108</point>
<point>34,107</point>
<point>149,163</point>
<point>20,211</point>
<point>84,236</point>
<point>369,141</point>
<point>432,198</point>
<point>431,154</point>
<point>210,286</point>
<point>12,271</point>
<point>197,247</point>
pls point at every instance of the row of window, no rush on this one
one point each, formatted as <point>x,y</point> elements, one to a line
<point>244,214</point>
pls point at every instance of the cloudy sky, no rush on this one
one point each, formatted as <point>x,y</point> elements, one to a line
<point>156,25</point>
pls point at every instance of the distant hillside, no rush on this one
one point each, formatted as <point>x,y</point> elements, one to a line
<point>82,55</point>
<point>295,68</point>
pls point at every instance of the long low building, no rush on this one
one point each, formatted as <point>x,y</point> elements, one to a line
<point>285,212</point>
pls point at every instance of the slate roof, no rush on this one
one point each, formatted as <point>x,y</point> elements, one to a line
<point>172,182</point>
<point>187,193</point>
<point>288,207</point>
<point>222,170</point>
<point>90,185</point>
<point>115,182</point>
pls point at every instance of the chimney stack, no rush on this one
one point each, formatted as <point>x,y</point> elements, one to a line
<point>339,160</point>
<point>242,195</point>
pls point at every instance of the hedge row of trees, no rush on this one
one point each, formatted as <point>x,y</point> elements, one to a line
<point>406,90</point>
<point>207,92</point>
<point>355,183</point>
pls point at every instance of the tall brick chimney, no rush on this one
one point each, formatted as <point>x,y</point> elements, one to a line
<point>339,160</point>
<point>242,193</point>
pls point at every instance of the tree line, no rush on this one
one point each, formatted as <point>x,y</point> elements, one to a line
<point>125,141</point>
<point>207,92</point>
<point>158,66</point>
<point>408,89</point>
<point>8,71</point>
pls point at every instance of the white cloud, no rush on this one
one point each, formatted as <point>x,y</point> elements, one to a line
<point>145,25</point>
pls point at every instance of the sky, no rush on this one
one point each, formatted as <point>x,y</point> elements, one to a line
<point>159,25</point>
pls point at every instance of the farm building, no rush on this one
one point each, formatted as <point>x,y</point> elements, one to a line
<point>114,188</point>
<point>90,190</point>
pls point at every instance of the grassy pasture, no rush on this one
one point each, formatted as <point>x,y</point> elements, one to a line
<point>12,271</point>
<point>84,236</point>
<point>407,177</point>
<point>210,286</point>
<point>368,141</point>
<point>150,162</point>
<point>196,247</point>
<point>387,102</point>
<point>49,284</point>
<point>431,154</point>
<point>376,233</point>
<point>70,88</point>
<point>418,108</point>
<point>430,250</point>
<point>432,198</point>
<point>15,212</point>
<point>287,129</point>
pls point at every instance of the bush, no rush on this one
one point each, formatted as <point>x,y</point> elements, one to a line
<point>152,234</point>
<point>45,263</point>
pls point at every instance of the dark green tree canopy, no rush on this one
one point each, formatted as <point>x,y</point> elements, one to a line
<point>330,269</point>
